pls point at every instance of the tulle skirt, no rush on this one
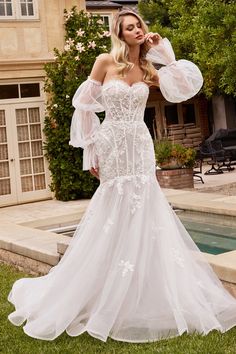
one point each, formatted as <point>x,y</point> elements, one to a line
<point>131,272</point>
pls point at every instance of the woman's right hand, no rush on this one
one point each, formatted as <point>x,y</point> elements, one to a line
<point>152,38</point>
<point>94,172</point>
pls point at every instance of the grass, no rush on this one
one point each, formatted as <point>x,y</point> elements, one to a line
<point>14,341</point>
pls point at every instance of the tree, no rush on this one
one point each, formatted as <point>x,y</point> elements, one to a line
<point>155,9</point>
<point>85,38</point>
<point>203,31</point>
<point>215,43</point>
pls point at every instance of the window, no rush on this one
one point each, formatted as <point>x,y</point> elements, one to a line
<point>181,113</point>
<point>18,9</point>
<point>106,21</point>
<point>106,18</point>
<point>6,8</point>
<point>188,113</point>
<point>19,91</point>
<point>29,90</point>
<point>9,91</point>
<point>26,7</point>
<point>171,114</point>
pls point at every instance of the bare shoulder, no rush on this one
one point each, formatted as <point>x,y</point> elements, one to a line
<point>101,66</point>
<point>105,58</point>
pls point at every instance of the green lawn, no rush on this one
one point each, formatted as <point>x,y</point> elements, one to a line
<point>14,341</point>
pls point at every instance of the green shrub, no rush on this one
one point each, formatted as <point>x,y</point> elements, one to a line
<point>179,155</point>
<point>85,38</point>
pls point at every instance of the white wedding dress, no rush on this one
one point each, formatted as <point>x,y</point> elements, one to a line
<point>131,272</point>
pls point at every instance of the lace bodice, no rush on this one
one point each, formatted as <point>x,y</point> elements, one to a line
<point>123,102</point>
<point>123,143</point>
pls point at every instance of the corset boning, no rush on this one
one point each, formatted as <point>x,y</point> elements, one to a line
<point>123,143</point>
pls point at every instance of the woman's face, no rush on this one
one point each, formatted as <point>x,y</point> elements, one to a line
<point>131,30</point>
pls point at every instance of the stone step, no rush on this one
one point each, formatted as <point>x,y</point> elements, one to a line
<point>35,244</point>
<point>62,245</point>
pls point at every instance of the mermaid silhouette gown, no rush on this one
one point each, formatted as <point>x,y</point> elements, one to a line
<point>131,271</point>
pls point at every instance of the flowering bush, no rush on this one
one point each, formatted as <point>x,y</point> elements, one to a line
<point>170,155</point>
<point>85,38</point>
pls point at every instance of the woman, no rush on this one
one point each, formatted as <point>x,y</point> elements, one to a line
<point>132,271</point>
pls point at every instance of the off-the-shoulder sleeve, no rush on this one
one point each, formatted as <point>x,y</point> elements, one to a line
<point>87,100</point>
<point>179,80</point>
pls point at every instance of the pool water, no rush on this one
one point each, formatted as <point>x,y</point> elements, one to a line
<point>212,238</point>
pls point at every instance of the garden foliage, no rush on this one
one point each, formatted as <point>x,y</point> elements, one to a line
<point>85,38</point>
<point>202,31</point>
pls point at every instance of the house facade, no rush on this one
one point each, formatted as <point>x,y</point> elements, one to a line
<point>29,30</point>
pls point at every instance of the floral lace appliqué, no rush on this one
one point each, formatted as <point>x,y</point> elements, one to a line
<point>156,231</point>
<point>126,267</point>
<point>108,225</point>
<point>177,257</point>
<point>135,202</point>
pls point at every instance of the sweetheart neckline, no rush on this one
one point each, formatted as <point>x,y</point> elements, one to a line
<point>125,83</point>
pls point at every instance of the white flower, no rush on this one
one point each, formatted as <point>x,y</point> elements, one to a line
<point>92,44</point>
<point>70,41</point>
<point>106,34</point>
<point>67,47</point>
<point>69,15</point>
<point>79,46</point>
<point>55,105</point>
<point>77,58</point>
<point>67,96</point>
<point>100,22</point>
<point>80,33</point>
<point>104,47</point>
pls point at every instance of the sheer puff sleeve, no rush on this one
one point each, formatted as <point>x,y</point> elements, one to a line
<point>84,125</point>
<point>178,80</point>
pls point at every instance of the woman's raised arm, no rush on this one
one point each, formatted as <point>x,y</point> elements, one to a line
<point>179,80</point>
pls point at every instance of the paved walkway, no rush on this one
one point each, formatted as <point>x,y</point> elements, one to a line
<point>224,183</point>
<point>38,213</point>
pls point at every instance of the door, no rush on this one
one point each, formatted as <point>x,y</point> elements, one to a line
<point>154,120</point>
<point>7,173</point>
<point>150,120</point>
<point>23,171</point>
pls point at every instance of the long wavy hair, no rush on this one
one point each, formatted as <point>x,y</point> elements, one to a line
<point>120,50</point>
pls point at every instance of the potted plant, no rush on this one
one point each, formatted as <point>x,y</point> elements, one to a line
<point>171,156</point>
<point>174,164</point>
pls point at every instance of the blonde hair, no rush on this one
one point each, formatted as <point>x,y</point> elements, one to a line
<point>120,49</point>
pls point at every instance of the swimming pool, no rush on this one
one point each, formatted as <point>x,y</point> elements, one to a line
<point>210,238</point>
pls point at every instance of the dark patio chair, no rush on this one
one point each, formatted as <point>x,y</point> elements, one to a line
<point>197,168</point>
<point>220,160</point>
